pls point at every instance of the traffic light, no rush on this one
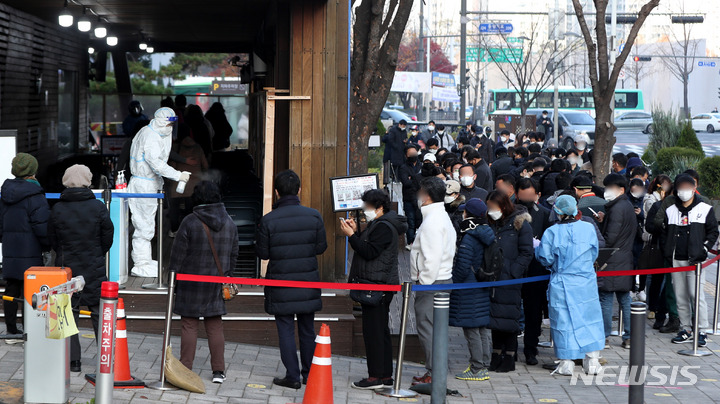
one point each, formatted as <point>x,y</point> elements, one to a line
<point>621,19</point>
<point>642,58</point>
<point>687,19</point>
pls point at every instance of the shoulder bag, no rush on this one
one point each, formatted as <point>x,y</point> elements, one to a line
<point>229,290</point>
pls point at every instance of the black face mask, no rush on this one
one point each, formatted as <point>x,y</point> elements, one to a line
<point>527,204</point>
<point>412,159</point>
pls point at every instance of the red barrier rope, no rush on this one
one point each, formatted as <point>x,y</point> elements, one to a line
<point>646,271</point>
<point>288,284</point>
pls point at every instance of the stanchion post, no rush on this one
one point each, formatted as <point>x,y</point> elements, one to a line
<point>696,325</point>
<point>717,298</point>
<point>162,384</point>
<point>107,197</point>
<point>104,383</point>
<point>395,390</point>
<point>441,317</point>
<point>160,285</point>
<point>636,395</point>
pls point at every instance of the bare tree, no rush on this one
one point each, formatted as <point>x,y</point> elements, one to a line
<point>377,32</point>
<point>530,67</point>
<point>638,70</point>
<point>679,59</point>
<point>603,78</point>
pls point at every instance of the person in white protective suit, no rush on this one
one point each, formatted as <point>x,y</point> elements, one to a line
<point>148,162</point>
<point>570,249</point>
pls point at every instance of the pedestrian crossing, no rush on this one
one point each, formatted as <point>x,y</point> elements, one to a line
<point>710,150</point>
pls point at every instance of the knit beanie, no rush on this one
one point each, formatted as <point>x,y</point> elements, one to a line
<point>77,176</point>
<point>24,165</point>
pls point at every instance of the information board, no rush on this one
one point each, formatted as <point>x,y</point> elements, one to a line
<point>347,191</point>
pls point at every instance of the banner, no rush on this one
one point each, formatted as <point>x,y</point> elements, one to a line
<point>443,79</point>
<point>448,94</point>
<point>411,82</point>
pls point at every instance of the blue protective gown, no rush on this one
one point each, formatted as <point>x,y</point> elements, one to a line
<point>569,250</point>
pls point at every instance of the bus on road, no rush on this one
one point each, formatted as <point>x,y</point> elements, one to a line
<point>507,100</point>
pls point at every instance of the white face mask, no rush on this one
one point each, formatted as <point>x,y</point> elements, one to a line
<point>553,158</point>
<point>685,194</point>
<point>637,195</point>
<point>370,215</point>
<point>441,132</point>
<point>433,151</point>
<point>456,176</point>
<point>449,199</point>
<point>466,181</point>
<point>572,160</point>
<point>504,139</point>
<point>610,195</point>
<point>494,214</point>
<point>420,203</point>
<point>431,128</point>
<point>580,146</point>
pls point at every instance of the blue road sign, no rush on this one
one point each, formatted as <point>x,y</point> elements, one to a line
<point>703,63</point>
<point>496,28</point>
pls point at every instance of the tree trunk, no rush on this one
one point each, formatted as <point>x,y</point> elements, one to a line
<point>523,125</point>
<point>686,108</point>
<point>604,140</point>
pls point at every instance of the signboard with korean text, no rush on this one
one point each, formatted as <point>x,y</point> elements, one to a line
<point>347,192</point>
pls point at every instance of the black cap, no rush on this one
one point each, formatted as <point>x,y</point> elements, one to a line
<point>402,122</point>
<point>582,182</point>
<point>468,123</point>
<point>544,111</point>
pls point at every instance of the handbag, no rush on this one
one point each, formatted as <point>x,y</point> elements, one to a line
<point>367,297</point>
<point>229,290</point>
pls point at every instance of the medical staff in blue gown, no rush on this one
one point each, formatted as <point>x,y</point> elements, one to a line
<point>569,250</point>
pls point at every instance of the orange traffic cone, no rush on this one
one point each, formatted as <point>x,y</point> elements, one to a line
<point>123,378</point>
<point>319,388</point>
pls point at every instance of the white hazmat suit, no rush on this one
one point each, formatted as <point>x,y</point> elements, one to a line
<point>148,163</point>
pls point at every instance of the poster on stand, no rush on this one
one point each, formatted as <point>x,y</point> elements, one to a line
<point>347,191</point>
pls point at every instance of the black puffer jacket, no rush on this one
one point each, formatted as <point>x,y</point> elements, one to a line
<point>376,250</point>
<point>514,235</point>
<point>81,232</point>
<point>619,227</point>
<point>24,214</point>
<point>191,254</point>
<point>291,237</point>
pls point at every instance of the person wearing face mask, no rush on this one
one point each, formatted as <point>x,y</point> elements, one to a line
<point>503,163</point>
<point>484,145</point>
<point>431,260</point>
<point>533,294</point>
<point>445,140</point>
<point>690,231</point>
<point>619,227</point>
<point>429,132</point>
<point>395,141</point>
<point>582,142</point>
<point>588,201</point>
<point>431,146</point>
<point>409,174</point>
<point>467,130</point>
<point>576,323</point>
<point>456,171</point>
<point>574,160</point>
<point>148,162</point>
<point>671,199</point>
<point>505,139</point>
<point>376,261</point>
<point>483,173</point>
<point>514,235</point>
<point>453,200</point>
<point>467,180</point>
<point>636,195</point>
<point>470,308</point>
<point>415,138</point>
<point>544,123</point>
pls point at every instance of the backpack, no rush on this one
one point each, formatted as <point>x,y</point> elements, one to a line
<point>493,263</point>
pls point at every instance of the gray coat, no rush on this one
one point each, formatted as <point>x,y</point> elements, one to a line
<point>191,254</point>
<point>619,227</point>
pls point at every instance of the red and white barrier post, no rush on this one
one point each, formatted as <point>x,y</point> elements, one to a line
<point>105,381</point>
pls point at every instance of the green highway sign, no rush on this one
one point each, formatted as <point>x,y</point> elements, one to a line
<point>499,55</point>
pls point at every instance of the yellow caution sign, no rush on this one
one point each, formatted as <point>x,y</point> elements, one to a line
<point>60,320</point>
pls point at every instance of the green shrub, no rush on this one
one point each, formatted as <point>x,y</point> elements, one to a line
<point>667,158</point>
<point>709,170</point>
<point>682,163</point>
<point>666,132</point>
<point>689,139</point>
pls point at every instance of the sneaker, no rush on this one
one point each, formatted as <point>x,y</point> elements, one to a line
<point>13,341</point>
<point>607,343</point>
<point>702,340</point>
<point>469,375</point>
<point>682,337</point>
<point>218,377</point>
<point>408,247</point>
<point>521,335</point>
<point>371,383</point>
<point>641,296</point>
<point>626,344</point>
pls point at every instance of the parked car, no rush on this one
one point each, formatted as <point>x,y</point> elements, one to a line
<point>572,123</point>
<point>635,120</point>
<point>395,115</point>
<point>706,122</point>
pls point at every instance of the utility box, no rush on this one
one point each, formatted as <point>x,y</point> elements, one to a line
<point>512,123</point>
<point>47,361</point>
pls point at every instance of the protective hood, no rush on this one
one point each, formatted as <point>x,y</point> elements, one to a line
<point>399,222</point>
<point>214,215</point>
<point>163,116</point>
<point>15,190</point>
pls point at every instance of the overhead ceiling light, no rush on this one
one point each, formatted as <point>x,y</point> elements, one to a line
<point>100,30</point>
<point>84,24</point>
<point>150,49</point>
<point>65,19</point>
<point>112,40</point>
<point>91,50</point>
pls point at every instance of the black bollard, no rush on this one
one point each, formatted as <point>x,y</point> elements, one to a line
<point>636,394</point>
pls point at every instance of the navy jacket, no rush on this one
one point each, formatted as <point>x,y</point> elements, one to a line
<point>81,232</point>
<point>619,228</point>
<point>24,214</point>
<point>291,237</point>
<point>470,307</point>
